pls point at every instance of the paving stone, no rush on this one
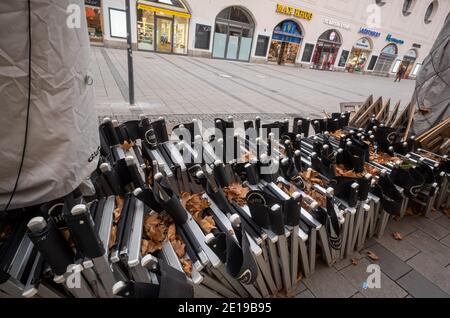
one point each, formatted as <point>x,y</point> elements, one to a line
<point>299,288</point>
<point>420,287</point>
<point>389,263</point>
<point>446,241</point>
<point>432,270</point>
<point>430,246</point>
<point>358,295</point>
<point>357,275</point>
<point>431,228</point>
<point>435,214</point>
<point>162,78</point>
<point>443,221</point>
<point>400,226</point>
<point>402,249</point>
<point>305,294</point>
<point>328,282</point>
<point>339,265</point>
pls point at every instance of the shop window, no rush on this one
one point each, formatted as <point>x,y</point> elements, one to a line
<point>233,34</point>
<point>181,35</point>
<point>416,70</point>
<point>307,52</point>
<point>397,65</point>
<point>94,24</point>
<point>373,61</point>
<point>343,59</point>
<point>407,7</point>
<point>202,36</point>
<point>117,23</point>
<point>146,29</point>
<point>262,45</point>
<point>431,10</point>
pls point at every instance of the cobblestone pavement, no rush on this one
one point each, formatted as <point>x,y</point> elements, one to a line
<point>181,88</point>
<point>179,85</point>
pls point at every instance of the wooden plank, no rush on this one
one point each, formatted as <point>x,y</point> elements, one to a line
<point>384,112</point>
<point>394,114</point>
<point>402,119</point>
<point>373,109</point>
<point>362,109</point>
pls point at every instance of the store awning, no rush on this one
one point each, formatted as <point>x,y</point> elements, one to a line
<point>166,11</point>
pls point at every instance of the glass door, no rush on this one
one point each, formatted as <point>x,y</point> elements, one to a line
<point>233,42</point>
<point>164,28</point>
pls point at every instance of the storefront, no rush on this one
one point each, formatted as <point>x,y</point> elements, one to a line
<point>387,57</point>
<point>327,49</point>
<point>408,62</point>
<point>93,10</point>
<point>163,26</point>
<point>359,55</point>
<point>233,34</point>
<point>285,44</point>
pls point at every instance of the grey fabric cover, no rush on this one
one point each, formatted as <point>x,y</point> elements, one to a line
<point>433,84</point>
<point>63,137</point>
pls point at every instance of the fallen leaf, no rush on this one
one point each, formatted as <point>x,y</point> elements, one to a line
<point>179,247</point>
<point>372,256</point>
<point>397,236</point>
<point>207,224</point>
<point>127,145</point>
<point>112,236</point>
<point>171,232</point>
<point>355,261</point>
<point>187,266</point>
<point>236,193</point>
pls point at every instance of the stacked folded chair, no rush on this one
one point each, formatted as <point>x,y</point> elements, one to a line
<point>230,215</point>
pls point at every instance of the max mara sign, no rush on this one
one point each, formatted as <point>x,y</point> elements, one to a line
<point>294,12</point>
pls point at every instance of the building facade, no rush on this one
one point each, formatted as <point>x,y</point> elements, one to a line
<point>362,36</point>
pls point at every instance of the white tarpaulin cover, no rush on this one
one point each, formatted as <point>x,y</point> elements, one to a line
<point>63,135</point>
<point>433,84</point>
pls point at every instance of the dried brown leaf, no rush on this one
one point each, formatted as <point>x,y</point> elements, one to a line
<point>236,193</point>
<point>355,261</point>
<point>179,247</point>
<point>171,232</point>
<point>127,145</point>
<point>372,256</point>
<point>207,224</point>
<point>397,236</point>
<point>187,266</point>
<point>113,236</point>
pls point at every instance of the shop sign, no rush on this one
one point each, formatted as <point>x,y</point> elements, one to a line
<point>94,3</point>
<point>337,24</point>
<point>390,38</point>
<point>363,43</point>
<point>294,12</point>
<point>368,32</point>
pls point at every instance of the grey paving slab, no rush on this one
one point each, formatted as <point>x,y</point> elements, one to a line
<point>328,282</point>
<point>432,228</point>
<point>341,264</point>
<point>401,226</point>
<point>246,88</point>
<point>436,214</point>
<point>446,241</point>
<point>430,246</point>
<point>357,275</point>
<point>305,294</point>
<point>402,249</point>
<point>299,288</point>
<point>358,295</point>
<point>443,221</point>
<point>420,287</point>
<point>432,270</point>
<point>389,263</point>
